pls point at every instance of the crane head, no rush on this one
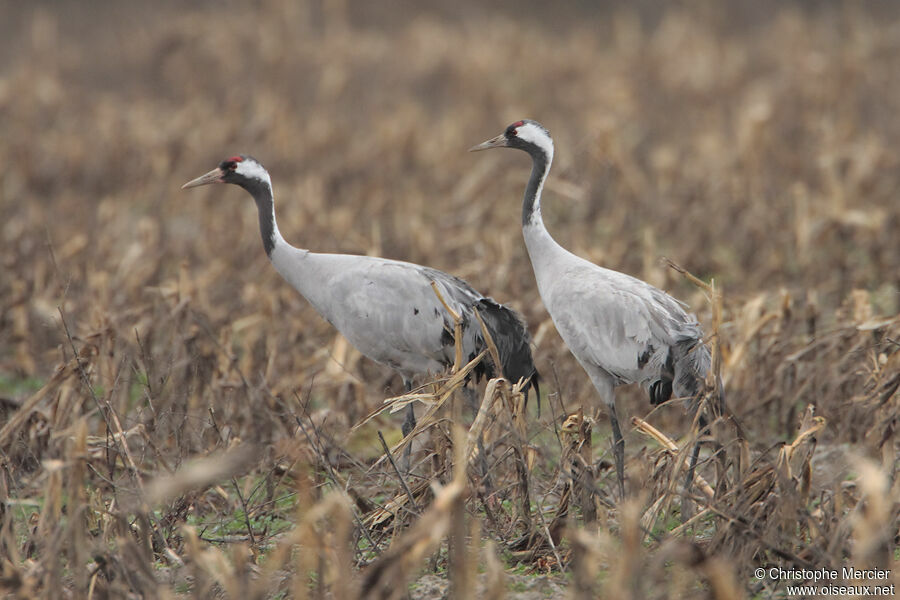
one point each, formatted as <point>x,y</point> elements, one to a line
<point>241,170</point>
<point>526,135</point>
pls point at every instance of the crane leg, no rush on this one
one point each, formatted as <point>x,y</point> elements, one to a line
<point>695,453</point>
<point>687,507</point>
<point>618,448</point>
<point>409,423</point>
<point>605,385</point>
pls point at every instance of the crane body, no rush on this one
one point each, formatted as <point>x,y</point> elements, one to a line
<point>386,308</point>
<point>620,329</point>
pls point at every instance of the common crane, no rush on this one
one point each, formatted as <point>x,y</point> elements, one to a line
<point>620,329</point>
<point>386,308</point>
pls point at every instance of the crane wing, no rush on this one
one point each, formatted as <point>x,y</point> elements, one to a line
<point>388,310</point>
<point>618,323</point>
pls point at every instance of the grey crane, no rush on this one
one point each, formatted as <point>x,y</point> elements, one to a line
<point>620,329</point>
<point>386,308</point>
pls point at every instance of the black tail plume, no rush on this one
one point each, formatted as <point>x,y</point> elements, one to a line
<point>513,344</point>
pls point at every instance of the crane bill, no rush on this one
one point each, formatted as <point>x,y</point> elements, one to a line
<point>214,176</point>
<point>495,142</point>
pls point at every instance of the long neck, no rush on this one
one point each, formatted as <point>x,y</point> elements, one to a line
<point>531,205</point>
<point>542,248</point>
<point>265,204</point>
<point>296,265</point>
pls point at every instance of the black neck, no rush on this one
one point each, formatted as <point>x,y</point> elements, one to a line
<point>265,204</point>
<point>538,173</point>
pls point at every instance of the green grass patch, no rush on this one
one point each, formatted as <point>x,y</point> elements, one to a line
<point>12,385</point>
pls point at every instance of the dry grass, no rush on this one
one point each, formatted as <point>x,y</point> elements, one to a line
<point>175,420</point>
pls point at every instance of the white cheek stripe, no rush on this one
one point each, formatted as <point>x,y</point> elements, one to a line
<point>252,169</point>
<point>530,132</point>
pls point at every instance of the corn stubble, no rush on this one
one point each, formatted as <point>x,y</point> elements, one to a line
<point>176,422</point>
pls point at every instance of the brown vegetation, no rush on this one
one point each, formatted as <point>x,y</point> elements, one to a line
<point>175,420</point>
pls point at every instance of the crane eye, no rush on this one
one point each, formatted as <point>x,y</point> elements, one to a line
<point>232,166</point>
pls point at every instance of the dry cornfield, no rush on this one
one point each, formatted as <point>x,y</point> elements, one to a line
<point>175,421</point>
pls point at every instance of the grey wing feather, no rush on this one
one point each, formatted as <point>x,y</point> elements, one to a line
<point>388,310</point>
<point>630,329</point>
<point>507,328</point>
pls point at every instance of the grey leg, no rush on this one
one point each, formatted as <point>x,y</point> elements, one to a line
<point>618,449</point>
<point>408,425</point>
<point>687,507</point>
<point>695,454</point>
<point>605,385</point>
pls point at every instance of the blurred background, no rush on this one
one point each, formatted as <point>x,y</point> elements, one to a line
<point>753,143</point>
